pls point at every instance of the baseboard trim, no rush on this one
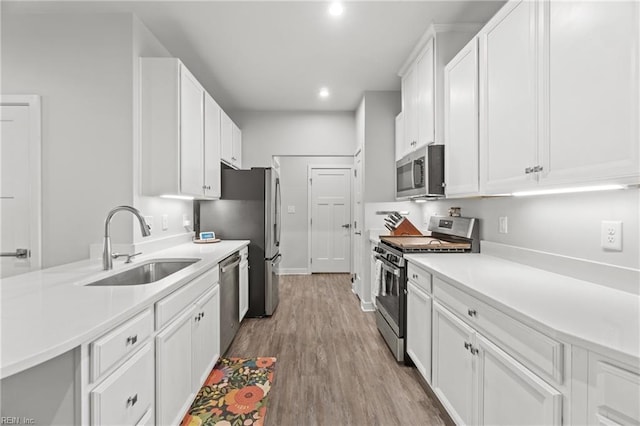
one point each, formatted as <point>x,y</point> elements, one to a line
<point>367,306</point>
<point>294,271</point>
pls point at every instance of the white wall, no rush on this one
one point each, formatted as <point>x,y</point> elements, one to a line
<point>294,180</point>
<point>265,134</point>
<point>567,225</point>
<point>83,67</point>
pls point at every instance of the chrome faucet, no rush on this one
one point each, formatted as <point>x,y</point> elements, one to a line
<point>107,262</point>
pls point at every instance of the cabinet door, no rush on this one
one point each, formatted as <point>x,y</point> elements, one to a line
<point>419,329</point>
<point>191,134</point>
<point>508,108</point>
<point>244,289</point>
<point>510,394</point>
<point>410,111</point>
<point>174,384</point>
<point>614,392</point>
<point>426,96</point>
<point>226,136</point>
<point>236,137</point>
<point>594,74</point>
<point>461,122</point>
<point>206,336</point>
<point>453,365</point>
<point>211,148</point>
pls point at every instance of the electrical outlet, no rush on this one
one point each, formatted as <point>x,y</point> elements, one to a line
<point>503,225</point>
<point>165,222</point>
<point>149,221</point>
<point>186,222</point>
<point>611,235</point>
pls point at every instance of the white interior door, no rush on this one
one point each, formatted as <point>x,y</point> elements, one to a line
<point>330,221</point>
<point>20,184</point>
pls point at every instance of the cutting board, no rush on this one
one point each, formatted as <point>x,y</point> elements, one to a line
<point>207,241</point>
<point>418,242</point>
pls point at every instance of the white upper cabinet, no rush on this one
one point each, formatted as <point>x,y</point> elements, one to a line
<point>426,96</point>
<point>231,152</point>
<point>593,90</point>
<point>178,157</point>
<point>508,109</point>
<point>461,123</point>
<point>423,85</point>
<point>212,114</point>
<point>560,95</point>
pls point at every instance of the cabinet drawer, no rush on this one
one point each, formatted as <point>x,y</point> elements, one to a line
<point>173,304</point>
<point>617,393</point>
<point>419,277</point>
<point>535,350</point>
<point>125,396</point>
<point>113,346</point>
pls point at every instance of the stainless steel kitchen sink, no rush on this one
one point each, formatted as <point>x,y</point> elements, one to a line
<point>146,273</point>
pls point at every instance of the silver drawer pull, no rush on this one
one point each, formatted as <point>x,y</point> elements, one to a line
<point>467,345</point>
<point>131,401</point>
<point>132,340</point>
<point>19,253</point>
<point>472,312</point>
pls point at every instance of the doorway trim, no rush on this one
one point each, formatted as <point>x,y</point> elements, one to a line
<point>310,168</point>
<point>34,103</point>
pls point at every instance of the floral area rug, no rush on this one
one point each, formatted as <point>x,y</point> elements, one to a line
<point>234,394</point>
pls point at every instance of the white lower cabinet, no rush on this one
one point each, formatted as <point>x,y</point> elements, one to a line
<point>479,383</point>
<point>125,396</point>
<point>206,336</point>
<point>187,344</point>
<point>509,393</point>
<point>174,390</point>
<point>418,333</point>
<point>453,373</point>
<point>613,392</point>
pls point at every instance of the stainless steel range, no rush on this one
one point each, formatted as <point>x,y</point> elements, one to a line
<point>448,235</point>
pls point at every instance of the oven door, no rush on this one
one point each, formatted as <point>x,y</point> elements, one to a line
<point>391,298</point>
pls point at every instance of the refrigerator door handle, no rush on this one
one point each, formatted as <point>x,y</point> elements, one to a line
<point>278,222</point>
<point>276,259</point>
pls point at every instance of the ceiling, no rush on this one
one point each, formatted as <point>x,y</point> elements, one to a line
<point>276,55</point>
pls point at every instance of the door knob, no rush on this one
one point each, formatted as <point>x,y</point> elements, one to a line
<point>346,225</point>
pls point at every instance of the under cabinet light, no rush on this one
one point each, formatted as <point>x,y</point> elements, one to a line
<point>324,93</point>
<point>568,190</point>
<point>177,197</point>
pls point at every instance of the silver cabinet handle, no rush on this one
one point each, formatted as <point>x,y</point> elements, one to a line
<point>528,170</point>
<point>19,253</point>
<point>358,233</point>
<point>131,340</point>
<point>467,345</point>
<point>472,312</point>
<point>131,401</point>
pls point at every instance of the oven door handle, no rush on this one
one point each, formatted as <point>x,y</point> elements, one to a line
<point>386,267</point>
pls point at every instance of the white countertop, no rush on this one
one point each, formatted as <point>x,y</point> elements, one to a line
<point>48,312</point>
<point>578,312</point>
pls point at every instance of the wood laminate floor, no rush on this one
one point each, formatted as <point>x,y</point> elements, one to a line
<point>333,367</point>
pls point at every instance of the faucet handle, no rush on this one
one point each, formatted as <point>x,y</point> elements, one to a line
<point>129,256</point>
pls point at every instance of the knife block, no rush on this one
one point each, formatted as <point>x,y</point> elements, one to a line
<point>405,227</point>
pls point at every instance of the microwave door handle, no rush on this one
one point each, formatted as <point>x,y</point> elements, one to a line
<point>413,174</point>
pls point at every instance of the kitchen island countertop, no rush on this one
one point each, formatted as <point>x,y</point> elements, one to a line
<point>48,312</point>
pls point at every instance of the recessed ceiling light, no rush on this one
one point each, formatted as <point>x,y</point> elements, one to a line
<point>336,9</point>
<point>324,93</point>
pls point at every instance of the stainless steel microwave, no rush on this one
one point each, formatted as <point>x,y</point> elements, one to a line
<point>421,173</point>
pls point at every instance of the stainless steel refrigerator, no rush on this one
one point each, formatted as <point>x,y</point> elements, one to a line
<point>249,209</point>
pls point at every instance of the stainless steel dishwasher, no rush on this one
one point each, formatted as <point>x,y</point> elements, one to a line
<point>229,300</point>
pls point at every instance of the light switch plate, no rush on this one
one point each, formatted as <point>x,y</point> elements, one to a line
<point>503,225</point>
<point>611,235</point>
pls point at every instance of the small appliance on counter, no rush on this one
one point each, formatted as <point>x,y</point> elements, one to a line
<point>448,235</point>
<point>249,209</point>
<point>208,237</point>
